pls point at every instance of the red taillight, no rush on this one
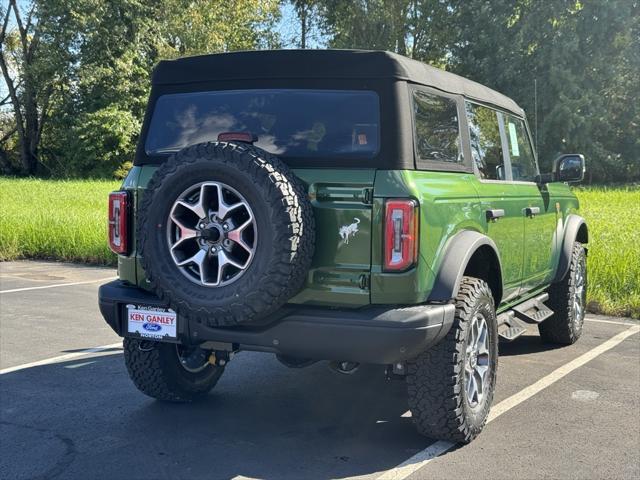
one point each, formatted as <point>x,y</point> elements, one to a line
<point>119,222</point>
<point>401,234</point>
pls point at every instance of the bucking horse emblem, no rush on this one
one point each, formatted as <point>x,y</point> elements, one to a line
<point>347,231</point>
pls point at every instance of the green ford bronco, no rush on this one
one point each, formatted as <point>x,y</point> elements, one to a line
<point>350,206</point>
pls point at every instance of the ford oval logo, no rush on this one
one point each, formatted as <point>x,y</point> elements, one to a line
<point>152,327</point>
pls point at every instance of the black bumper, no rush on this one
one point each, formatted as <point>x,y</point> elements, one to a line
<point>375,334</point>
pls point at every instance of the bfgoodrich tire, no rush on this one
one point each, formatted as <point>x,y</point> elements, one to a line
<point>226,233</point>
<point>567,299</point>
<point>451,385</point>
<point>156,370</point>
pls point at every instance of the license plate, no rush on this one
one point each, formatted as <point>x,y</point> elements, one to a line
<point>152,322</point>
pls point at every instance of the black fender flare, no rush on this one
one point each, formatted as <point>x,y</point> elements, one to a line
<point>575,229</point>
<point>457,253</point>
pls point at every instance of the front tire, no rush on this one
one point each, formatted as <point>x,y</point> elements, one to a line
<point>568,300</point>
<point>451,385</point>
<point>157,371</point>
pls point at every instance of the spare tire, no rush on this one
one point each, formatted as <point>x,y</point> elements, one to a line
<point>226,233</point>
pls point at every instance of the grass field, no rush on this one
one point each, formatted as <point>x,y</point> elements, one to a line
<point>61,220</point>
<point>613,217</point>
<point>66,220</point>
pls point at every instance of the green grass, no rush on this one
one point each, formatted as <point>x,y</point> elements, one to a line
<point>613,217</point>
<point>66,220</point>
<point>58,220</point>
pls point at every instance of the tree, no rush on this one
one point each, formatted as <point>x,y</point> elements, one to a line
<point>190,27</point>
<point>28,75</point>
<point>585,58</point>
<point>419,29</point>
<point>72,64</point>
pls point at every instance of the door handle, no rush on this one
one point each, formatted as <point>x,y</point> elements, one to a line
<point>495,214</point>
<point>532,211</point>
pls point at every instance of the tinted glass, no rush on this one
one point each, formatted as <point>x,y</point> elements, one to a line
<point>436,123</point>
<point>523,163</point>
<point>486,148</point>
<point>289,123</point>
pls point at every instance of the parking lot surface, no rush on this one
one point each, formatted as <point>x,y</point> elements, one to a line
<point>69,412</point>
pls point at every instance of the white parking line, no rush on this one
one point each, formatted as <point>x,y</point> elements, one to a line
<point>57,285</point>
<point>422,458</point>
<point>78,365</point>
<point>62,358</point>
<point>626,322</point>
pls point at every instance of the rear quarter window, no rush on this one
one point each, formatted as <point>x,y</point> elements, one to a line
<point>437,132</point>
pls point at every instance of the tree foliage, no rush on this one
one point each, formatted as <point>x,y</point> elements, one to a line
<point>585,60</point>
<point>77,71</point>
<point>581,59</point>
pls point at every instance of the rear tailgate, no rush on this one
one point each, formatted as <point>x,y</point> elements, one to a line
<point>342,203</point>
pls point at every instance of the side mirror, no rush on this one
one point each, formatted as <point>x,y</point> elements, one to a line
<point>569,168</point>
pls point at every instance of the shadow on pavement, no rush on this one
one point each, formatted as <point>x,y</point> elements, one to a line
<point>526,344</point>
<point>262,420</point>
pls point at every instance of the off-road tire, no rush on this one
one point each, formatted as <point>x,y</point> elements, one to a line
<point>285,223</point>
<point>563,327</point>
<point>156,371</point>
<point>435,379</point>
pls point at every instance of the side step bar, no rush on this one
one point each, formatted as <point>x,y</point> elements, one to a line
<point>510,323</point>
<point>509,327</point>
<point>534,310</point>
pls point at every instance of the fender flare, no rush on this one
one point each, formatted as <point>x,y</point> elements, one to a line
<point>575,229</point>
<point>457,253</point>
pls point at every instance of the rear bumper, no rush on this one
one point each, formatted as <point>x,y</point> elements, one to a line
<point>376,334</point>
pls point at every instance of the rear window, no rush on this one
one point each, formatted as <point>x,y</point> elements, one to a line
<point>289,123</point>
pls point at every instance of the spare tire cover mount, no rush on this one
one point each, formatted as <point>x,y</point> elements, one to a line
<point>225,233</point>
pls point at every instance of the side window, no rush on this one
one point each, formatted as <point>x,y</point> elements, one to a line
<point>486,148</point>
<point>523,163</point>
<point>436,128</point>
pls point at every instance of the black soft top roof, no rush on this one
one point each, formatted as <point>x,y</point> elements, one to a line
<point>297,64</point>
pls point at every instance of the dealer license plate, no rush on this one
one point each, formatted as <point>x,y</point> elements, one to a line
<point>152,322</point>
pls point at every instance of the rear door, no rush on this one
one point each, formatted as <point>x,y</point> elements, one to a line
<point>342,204</point>
<point>499,198</point>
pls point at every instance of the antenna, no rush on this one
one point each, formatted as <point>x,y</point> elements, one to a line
<point>535,111</point>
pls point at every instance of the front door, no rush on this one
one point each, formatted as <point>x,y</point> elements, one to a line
<point>540,216</point>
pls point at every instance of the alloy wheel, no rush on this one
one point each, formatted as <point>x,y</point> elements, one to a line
<point>579,293</point>
<point>212,234</point>
<point>477,361</point>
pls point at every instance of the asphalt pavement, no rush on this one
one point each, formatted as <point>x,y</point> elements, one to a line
<point>68,409</point>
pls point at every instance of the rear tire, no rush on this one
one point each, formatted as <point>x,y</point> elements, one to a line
<point>441,398</point>
<point>568,300</point>
<point>156,371</point>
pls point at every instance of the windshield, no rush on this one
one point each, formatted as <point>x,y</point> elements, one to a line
<point>289,123</point>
